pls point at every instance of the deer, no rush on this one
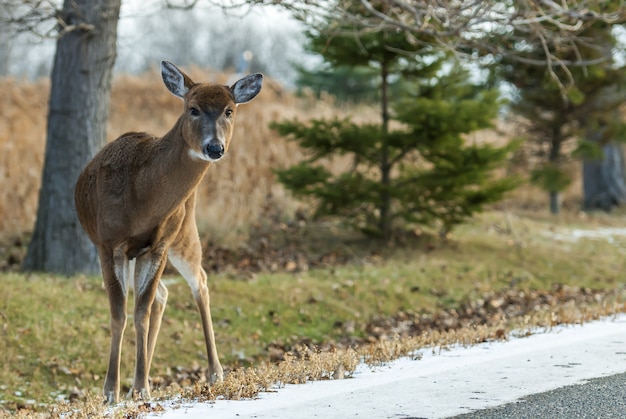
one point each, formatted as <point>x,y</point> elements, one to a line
<point>136,201</point>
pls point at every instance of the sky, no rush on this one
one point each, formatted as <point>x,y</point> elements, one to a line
<point>148,33</point>
<point>209,36</point>
<point>146,30</point>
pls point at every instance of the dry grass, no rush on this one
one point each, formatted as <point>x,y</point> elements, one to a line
<point>241,186</point>
<point>500,277</point>
<point>305,364</point>
<point>23,108</point>
<point>499,253</point>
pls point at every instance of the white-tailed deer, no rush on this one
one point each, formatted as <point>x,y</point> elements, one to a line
<point>136,201</point>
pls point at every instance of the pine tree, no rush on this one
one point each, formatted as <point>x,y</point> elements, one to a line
<point>584,111</point>
<point>347,84</point>
<point>423,172</point>
<point>454,179</point>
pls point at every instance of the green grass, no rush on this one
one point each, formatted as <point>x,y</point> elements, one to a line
<point>55,334</point>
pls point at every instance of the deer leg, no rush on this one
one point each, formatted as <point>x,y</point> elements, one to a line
<point>148,270</point>
<point>156,315</point>
<point>114,271</point>
<point>190,267</point>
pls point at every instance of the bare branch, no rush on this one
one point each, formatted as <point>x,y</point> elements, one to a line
<point>490,27</point>
<point>33,16</point>
<point>40,18</point>
<point>462,22</point>
<point>181,4</point>
<point>64,28</point>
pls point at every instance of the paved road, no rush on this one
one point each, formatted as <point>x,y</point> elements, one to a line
<point>464,381</point>
<point>597,398</point>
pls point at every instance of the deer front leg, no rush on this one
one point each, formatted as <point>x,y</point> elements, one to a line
<point>149,268</point>
<point>189,266</point>
<point>156,315</point>
<point>201,295</point>
<point>113,272</point>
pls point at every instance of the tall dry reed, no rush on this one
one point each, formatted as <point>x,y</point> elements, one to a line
<point>23,109</point>
<point>236,192</point>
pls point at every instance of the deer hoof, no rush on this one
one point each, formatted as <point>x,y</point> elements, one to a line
<point>110,397</point>
<point>217,376</point>
<point>142,394</point>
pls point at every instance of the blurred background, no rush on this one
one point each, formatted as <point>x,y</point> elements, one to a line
<point>409,170</point>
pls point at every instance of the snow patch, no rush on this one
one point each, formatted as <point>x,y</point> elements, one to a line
<point>573,235</point>
<point>442,384</point>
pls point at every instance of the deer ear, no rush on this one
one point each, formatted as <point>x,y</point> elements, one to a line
<point>247,88</point>
<point>177,82</point>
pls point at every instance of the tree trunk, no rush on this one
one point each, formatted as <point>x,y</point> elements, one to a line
<point>554,158</point>
<point>555,202</point>
<point>385,167</point>
<point>5,41</point>
<point>604,185</point>
<point>77,118</point>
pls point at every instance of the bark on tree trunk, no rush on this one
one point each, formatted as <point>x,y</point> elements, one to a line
<point>5,52</point>
<point>604,184</point>
<point>555,202</point>
<point>385,168</point>
<point>554,157</point>
<point>77,118</point>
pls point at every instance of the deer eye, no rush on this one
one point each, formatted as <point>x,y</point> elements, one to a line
<point>194,112</point>
<point>228,113</point>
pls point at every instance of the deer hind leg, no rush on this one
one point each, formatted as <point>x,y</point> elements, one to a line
<point>150,298</point>
<point>186,256</point>
<point>115,273</point>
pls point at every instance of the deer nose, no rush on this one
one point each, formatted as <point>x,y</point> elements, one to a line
<point>214,149</point>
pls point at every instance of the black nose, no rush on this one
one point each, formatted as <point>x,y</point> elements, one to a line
<point>214,149</point>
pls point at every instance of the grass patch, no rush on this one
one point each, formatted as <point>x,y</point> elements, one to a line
<point>506,271</point>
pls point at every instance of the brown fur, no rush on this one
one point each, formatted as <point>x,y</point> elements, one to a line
<point>136,201</point>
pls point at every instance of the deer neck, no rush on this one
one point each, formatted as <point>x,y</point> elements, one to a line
<point>180,172</point>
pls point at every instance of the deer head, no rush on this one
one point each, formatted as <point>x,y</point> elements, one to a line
<point>209,113</point>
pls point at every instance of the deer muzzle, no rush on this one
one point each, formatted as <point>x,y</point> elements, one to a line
<point>214,149</point>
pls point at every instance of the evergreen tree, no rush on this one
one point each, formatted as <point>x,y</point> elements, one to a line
<point>584,112</point>
<point>450,178</point>
<point>347,84</point>
<point>420,173</point>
